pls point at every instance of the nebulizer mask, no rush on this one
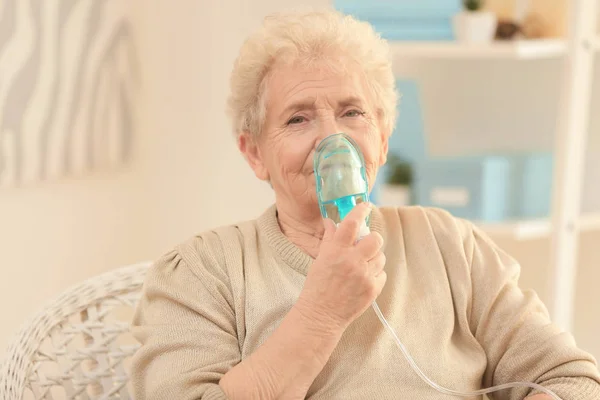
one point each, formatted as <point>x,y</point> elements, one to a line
<point>341,182</point>
<point>341,178</point>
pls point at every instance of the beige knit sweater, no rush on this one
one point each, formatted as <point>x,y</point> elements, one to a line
<point>451,295</point>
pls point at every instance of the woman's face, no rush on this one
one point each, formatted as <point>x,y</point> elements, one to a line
<point>303,107</point>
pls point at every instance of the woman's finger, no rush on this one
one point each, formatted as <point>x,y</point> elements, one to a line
<point>380,282</point>
<point>329,229</point>
<point>377,264</point>
<point>348,230</point>
<point>370,245</point>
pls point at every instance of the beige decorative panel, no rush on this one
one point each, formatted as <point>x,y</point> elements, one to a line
<point>67,80</point>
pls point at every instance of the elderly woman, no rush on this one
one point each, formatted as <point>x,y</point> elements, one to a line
<point>278,307</point>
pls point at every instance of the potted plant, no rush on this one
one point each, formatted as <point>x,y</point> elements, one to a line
<point>396,189</point>
<point>474,24</point>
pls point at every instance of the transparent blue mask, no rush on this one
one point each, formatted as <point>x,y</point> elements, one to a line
<point>341,176</point>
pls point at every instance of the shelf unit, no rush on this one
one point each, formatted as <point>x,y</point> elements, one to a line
<point>517,50</point>
<point>578,52</point>
<point>535,228</point>
<point>570,144</point>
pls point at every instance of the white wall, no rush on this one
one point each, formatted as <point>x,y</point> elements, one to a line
<point>56,234</point>
<point>195,177</point>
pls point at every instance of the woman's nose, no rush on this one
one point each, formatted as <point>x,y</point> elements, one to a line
<point>327,127</point>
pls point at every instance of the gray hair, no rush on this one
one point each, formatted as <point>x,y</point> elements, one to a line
<point>308,37</point>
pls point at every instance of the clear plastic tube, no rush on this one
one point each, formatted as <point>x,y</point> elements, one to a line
<point>447,391</point>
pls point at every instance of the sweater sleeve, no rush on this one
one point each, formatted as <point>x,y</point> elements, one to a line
<point>515,330</point>
<point>186,326</point>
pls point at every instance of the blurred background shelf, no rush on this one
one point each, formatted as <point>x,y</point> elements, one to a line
<point>589,222</point>
<point>517,50</point>
<point>536,229</point>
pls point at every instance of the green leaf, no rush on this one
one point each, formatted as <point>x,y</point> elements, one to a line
<point>473,5</point>
<point>400,172</point>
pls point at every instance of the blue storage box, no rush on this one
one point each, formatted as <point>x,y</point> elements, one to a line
<point>477,188</point>
<point>487,188</point>
<point>411,30</point>
<point>532,185</point>
<point>399,9</point>
<point>405,19</point>
<point>408,139</point>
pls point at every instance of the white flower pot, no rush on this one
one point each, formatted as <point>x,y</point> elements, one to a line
<point>476,27</point>
<point>394,195</point>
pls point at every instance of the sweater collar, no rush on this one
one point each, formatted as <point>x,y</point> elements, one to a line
<point>293,255</point>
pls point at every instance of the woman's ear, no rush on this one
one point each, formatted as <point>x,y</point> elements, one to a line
<point>385,144</point>
<point>248,145</point>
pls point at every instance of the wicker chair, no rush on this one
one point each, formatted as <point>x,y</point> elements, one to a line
<point>79,346</point>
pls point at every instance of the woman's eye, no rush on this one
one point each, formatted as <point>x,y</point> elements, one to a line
<point>296,120</point>
<point>353,113</point>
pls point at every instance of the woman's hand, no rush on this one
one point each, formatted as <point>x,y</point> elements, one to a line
<point>347,275</point>
<point>343,281</point>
